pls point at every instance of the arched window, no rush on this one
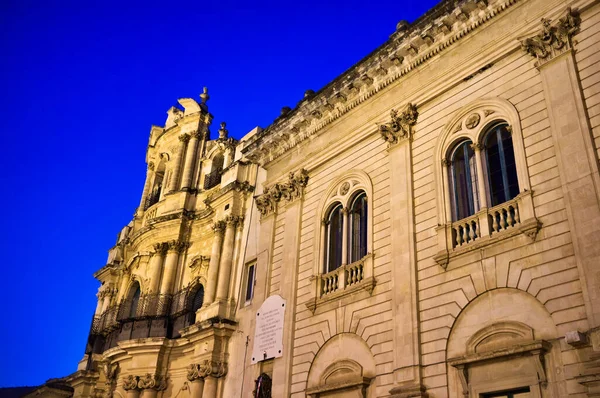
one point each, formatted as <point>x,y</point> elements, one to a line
<point>197,301</point>
<point>334,236</point>
<point>214,178</point>
<point>500,164</point>
<point>463,180</point>
<point>134,299</point>
<point>357,234</point>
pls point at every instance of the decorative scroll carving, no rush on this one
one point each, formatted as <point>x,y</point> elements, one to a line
<point>400,127</point>
<point>206,369</point>
<point>288,191</point>
<point>233,221</point>
<point>155,382</point>
<point>130,383</point>
<point>553,39</point>
<point>160,248</point>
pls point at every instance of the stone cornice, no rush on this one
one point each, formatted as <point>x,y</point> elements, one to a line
<point>287,191</point>
<point>408,48</point>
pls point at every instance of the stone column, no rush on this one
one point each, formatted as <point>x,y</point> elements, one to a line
<point>156,266</point>
<point>196,381</point>
<point>100,303</point>
<point>105,301</point>
<point>211,371</point>
<point>126,277</point>
<point>346,218</point>
<point>574,148</point>
<point>190,161</point>
<point>480,176</point>
<point>173,249</point>
<point>227,257</point>
<point>130,385</point>
<point>149,175</point>
<point>213,266</point>
<point>174,183</point>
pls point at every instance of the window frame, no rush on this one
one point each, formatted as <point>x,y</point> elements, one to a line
<point>251,264</point>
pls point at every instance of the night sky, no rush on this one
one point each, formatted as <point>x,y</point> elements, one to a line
<point>80,85</point>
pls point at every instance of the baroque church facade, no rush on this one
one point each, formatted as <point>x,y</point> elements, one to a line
<point>426,225</point>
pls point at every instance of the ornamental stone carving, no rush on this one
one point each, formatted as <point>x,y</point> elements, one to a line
<point>130,383</point>
<point>155,382</point>
<point>184,138</point>
<point>176,246</point>
<point>473,121</point>
<point>554,39</point>
<point>193,372</point>
<point>400,126</point>
<point>218,227</point>
<point>160,248</point>
<point>287,191</point>
<point>233,221</point>
<point>151,166</point>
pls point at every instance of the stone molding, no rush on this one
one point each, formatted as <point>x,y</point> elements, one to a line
<point>208,368</point>
<point>288,192</point>
<point>554,39</point>
<point>401,125</point>
<point>409,48</point>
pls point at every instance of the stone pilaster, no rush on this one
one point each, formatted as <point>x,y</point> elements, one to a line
<point>213,266</point>
<point>574,148</point>
<point>227,257</point>
<point>406,361</point>
<point>174,182</point>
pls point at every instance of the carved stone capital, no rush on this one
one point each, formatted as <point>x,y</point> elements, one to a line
<point>233,221</point>
<point>446,162</point>
<point>160,248</point>
<point>554,39</point>
<point>130,383</point>
<point>400,126</point>
<point>194,373</point>
<point>196,134</point>
<point>476,146</point>
<point>210,368</point>
<point>176,246</point>
<point>288,191</point>
<point>184,138</point>
<point>218,227</point>
<point>155,382</point>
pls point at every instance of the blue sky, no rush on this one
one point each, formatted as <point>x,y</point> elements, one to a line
<point>81,82</point>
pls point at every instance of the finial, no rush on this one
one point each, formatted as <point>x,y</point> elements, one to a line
<point>402,26</point>
<point>309,93</point>
<point>223,131</point>
<point>204,96</point>
<point>285,110</point>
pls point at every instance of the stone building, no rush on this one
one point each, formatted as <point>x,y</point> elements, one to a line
<point>427,225</point>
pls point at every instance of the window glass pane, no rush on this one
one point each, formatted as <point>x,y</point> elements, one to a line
<point>501,167</point>
<point>334,248</point>
<point>250,283</point>
<point>358,228</point>
<point>135,298</point>
<point>464,180</point>
<point>198,299</point>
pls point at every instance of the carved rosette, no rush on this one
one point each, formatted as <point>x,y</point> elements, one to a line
<point>288,191</point>
<point>400,126</point>
<point>554,39</point>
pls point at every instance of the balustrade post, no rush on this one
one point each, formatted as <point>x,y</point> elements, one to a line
<point>213,266</point>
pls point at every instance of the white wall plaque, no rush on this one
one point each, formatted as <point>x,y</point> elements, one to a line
<point>268,333</point>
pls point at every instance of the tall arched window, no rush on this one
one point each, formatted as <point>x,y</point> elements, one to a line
<point>500,164</point>
<point>357,234</point>
<point>463,175</point>
<point>214,178</point>
<point>134,299</point>
<point>197,301</point>
<point>334,236</point>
